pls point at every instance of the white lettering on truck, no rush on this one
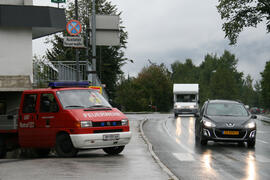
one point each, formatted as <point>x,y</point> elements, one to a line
<point>101,114</point>
<point>27,125</point>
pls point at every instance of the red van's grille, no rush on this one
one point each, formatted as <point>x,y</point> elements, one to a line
<point>106,123</point>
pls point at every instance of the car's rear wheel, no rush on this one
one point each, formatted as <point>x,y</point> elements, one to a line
<point>64,146</point>
<point>43,152</point>
<point>3,150</point>
<point>251,143</point>
<point>114,150</point>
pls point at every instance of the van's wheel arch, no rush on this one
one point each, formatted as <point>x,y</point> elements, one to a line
<point>64,146</point>
<point>114,150</point>
<point>3,150</point>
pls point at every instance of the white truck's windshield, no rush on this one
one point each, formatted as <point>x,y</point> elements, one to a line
<point>76,99</point>
<point>185,98</point>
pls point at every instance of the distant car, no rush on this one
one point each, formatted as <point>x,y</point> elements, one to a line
<point>224,120</point>
<point>255,110</point>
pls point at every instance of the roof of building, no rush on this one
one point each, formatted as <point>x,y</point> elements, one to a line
<point>43,20</point>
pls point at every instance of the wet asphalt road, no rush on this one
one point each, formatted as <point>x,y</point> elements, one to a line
<point>134,163</point>
<point>174,143</point>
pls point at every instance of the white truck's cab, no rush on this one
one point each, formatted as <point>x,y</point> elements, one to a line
<point>186,98</point>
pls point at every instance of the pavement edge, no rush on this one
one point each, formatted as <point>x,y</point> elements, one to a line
<point>150,148</point>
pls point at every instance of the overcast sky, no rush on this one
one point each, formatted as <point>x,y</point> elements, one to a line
<point>168,30</point>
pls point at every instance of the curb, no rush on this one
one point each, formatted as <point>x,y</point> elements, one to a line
<point>150,148</point>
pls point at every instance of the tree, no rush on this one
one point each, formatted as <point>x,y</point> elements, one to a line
<point>109,59</point>
<point>239,14</point>
<point>156,82</point>
<point>150,91</point>
<point>206,70</point>
<point>248,94</point>
<point>258,94</point>
<point>184,72</point>
<point>129,95</point>
<point>223,84</point>
<point>265,85</point>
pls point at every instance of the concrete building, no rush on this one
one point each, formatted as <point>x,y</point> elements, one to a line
<point>20,22</point>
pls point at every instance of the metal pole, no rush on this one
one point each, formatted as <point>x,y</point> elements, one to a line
<point>77,51</point>
<point>100,60</point>
<point>87,43</point>
<point>94,42</point>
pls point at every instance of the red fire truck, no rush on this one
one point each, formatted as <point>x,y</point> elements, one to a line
<point>66,117</point>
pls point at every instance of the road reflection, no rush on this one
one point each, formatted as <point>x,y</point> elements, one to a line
<point>178,126</point>
<point>207,160</point>
<point>251,168</point>
<point>191,130</point>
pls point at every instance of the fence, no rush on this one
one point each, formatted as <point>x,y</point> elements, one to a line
<point>45,72</point>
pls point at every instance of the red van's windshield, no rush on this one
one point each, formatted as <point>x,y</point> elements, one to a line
<point>72,99</point>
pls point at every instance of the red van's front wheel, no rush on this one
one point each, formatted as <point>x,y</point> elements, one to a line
<point>64,146</point>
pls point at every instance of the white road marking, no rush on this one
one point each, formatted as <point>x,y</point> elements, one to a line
<point>262,159</point>
<point>184,156</point>
<point>263,132</point>
<point>177,140</point>
<point>262,141</point>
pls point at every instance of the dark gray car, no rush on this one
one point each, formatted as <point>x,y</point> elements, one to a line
<point>224,120</point>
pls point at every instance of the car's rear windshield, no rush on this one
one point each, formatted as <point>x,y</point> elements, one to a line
<point>226,109</point>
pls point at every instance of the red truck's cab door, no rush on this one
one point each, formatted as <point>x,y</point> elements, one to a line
<point>27,118</point>
<point>38,117</point>
<point>47,116</point>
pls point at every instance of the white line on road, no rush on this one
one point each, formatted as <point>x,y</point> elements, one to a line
<point>263,132</point>
<point>262,159</point>
<point>177,140</point>
<point>184,156</point>
<point>262,141</point>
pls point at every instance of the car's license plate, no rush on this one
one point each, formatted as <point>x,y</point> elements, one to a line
<point>111,137</point>
<point>231,132</point>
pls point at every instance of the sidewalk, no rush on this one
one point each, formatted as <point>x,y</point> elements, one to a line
<point>137,151</point>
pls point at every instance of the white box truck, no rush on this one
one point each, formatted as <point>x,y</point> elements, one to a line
<point>186,98</point>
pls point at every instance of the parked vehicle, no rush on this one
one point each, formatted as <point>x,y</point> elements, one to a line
<point>186,98</point>
<point>66,117</point>
<point>262,111</point>
<point>255,110</point>
<point>223,120</point>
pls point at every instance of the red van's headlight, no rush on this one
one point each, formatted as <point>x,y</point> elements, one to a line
<point>124,122</point>
<point>85,124</point>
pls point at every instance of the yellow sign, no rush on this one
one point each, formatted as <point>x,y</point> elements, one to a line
<point>98,88</point>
